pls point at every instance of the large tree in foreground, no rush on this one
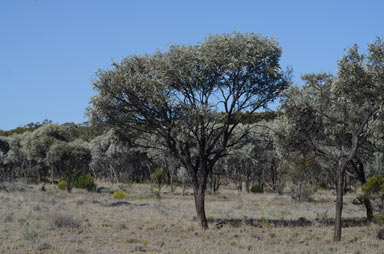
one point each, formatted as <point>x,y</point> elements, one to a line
<point>191,97</point>
<point>332,116</point>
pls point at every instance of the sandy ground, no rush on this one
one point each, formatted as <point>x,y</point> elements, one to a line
<point>32,221</point>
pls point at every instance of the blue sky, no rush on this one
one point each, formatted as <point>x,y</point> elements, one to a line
<point>50,49</point>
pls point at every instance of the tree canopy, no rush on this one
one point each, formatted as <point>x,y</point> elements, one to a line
<point>177,94</point>
<point>332,116</point>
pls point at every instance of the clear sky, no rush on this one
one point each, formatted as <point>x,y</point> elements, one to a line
<point>51,49</point>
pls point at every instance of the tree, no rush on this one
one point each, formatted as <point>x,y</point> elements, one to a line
<point>37,144</point>
<point>302,171</point>
<point>4,148</point>
<point>114,154</point>
<point>330,115</point>
<point>254,158</point>
<point>159,155</point>
<point>177,96</point>
<point>16,160</point>
<point>67,156</point>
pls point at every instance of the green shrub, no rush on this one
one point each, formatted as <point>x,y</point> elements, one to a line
<point>82,180</point>
<point>378,219</point>
<point>265,223</point>
<point>85,182</point>
<point>62,185</point>
<point>119,195</point>
<point>158,177</point>
<point>257,189</point>
<point>374,185</point>
<point>323,186</point>
<point>373,190</point>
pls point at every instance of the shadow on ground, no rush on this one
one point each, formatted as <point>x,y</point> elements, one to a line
<point>300,222</point>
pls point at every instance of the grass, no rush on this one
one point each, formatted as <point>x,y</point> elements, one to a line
<point>83,222</point>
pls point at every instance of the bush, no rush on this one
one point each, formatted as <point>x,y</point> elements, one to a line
<point>380,234</point>
<point>119,195</point>
<point>374,185</point>
<point>82,180</point>
<point>378,219</point>
<point>60,220</point>
<point>158,177</point>
<point>257,189</point>
<point>323,186</point>
<point>303,192</point>
<point>85,182</point>
<point>373,190</point>
<point>62,185</point>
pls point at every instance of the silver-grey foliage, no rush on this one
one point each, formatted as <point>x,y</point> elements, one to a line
<point>190,97</point>
<point>333,116</point>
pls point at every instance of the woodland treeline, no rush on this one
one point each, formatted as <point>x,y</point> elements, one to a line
<point>33,152</point>
<point>195,111</point>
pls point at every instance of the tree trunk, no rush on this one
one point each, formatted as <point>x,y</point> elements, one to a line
<point>247,184</point>
<point>69,182</point>
<point>299,198</point>
<point>113,174</point>
<point>212,184</point>
<point>184,188</point>
<point>199,193</point>
<point>358,166</point>
<point>339,203</point>
<point>53,175</point>
<point>368,208</point>
<point>262,178</point>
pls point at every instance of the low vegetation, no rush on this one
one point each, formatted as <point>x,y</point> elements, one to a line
<point>86,222</point>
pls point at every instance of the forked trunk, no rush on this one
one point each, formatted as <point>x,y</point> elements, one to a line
<point>341,168</point>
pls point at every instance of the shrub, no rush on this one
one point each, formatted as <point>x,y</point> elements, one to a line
<point>119,195</point>
<point>257,189</point>
<point>374,185</point>
<point>373,190</point>
<point>378,219</point>
<point>85,182</point>
<point>380,234</point>
<point>62,185</point>
<point>303,192</point>
<point>31,234</point>
<point>265,223</point>
<point>323,186</point>
<point>61,220</point>
<point>82,180</point>
<point>158,177</point>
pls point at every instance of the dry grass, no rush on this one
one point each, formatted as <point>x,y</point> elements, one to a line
<point>57,222</point>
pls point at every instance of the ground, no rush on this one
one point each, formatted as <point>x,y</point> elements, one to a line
<point>33,221</point>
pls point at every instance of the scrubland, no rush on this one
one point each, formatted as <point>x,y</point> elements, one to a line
<point>33,221</point>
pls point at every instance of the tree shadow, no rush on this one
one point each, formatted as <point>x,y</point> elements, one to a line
<point>300,222</point>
